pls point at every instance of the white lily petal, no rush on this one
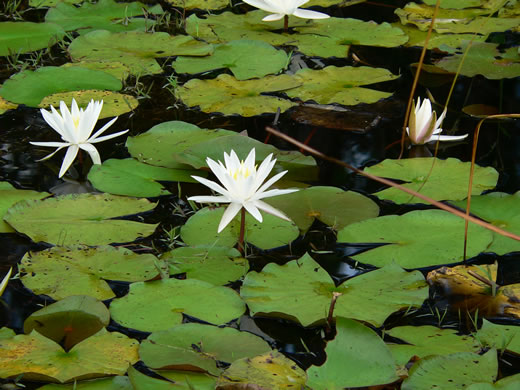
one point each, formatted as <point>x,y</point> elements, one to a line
<point>271,210</point>
<point>53,153</point>
<point>5,280</point>
<point>92,151</point>
<point>253,210</point>
<point>447,137</point>
<point>70,156</point>
<point>214,186</point>
<point>230,213</point>
<point>102,130</point>
<point>270,182</point>
<point>50,144</point>
<point>106,137</point>
<point>272,18</point>
<point>308,14</point>
<point>53,121</point>
<point>275,192</point>
<point>260,4</point>
<point>209,199</point>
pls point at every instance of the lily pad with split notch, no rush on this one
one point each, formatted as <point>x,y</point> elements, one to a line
<point>213,264</point>
<point>357,357</point>
<point>87,270</point>
<point>166,300</point>
<point>370,297</point>
<point>448,180</point>
<point>201,229</point>
<point>229,96</point>
<point>417,239</point>
<point>198,347</point>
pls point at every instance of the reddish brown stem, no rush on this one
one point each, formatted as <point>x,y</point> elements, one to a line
<point>286,23</point>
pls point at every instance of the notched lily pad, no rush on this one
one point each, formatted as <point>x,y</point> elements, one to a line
<point>80,219</point>
<point>87,270</point>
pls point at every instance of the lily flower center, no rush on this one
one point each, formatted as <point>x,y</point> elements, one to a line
<point>242,172</point>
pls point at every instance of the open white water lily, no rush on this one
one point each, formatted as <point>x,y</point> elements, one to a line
<point>424,127</point>
<point>242,186</point>
<point>75,128</point>
<point>281,8</point>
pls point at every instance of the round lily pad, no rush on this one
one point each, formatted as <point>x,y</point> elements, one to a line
<point>39,358</point>
<point>158,305</point>
<point>30,87</point>
<point>199,347</point>
<point>370,297</point>
<point>80,219</point>
<point>86,269</point>
<point>357,357</point>
<point>24,37</point>
<point>70,320</point>
<point>448,180</point>
<point>201,229</point>
<point>213,264</point>
<point>416,239</point>
<point>113,383</point>
<point>330,205</point>
<point>228,95</point>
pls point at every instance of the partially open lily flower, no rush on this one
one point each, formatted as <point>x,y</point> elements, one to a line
<point>424,127</point>
<point>281,8</point>
<point>75,128</point>
<point>242,186</point>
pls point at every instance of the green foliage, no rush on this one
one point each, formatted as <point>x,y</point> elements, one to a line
<point>500,337</point>
<point>24,37</point>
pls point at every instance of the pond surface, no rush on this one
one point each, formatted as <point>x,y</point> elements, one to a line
<point>342,289</point>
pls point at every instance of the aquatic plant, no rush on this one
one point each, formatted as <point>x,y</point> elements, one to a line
<point>3,284</point>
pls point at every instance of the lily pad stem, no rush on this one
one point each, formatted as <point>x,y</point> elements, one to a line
<point>286,23</point>
<point>330,316</point>
<point>242,230</point>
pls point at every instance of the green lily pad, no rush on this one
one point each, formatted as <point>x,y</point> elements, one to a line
<point>357,357</point>
<point>455,4</point>
<point>428,340</point>
<point>268,371</point>
<point>80,219</point>
<point>507,383</point>
<point>9,196</point>
<point>39,358</point>
<point>114,104</point>
<point>418,37</point>
<point>448,179</point>
<point>51,3</point>
<point>201,229</point>
<point>5,105</point>
<point>370,297</point>
<point>416,239</point>
<point>199,347</point>
<point>212,264</point>
<point>135,49</point>
<point>246,59</point>
<point>133,178</point>
<point>200,4</point>
<point>166,300</point>
<point>70,320</point>
<point>6,333</point>
<point>340,85</point>
<point>115,68</point>
<point>485,59</point>
<point>452,372</point>
<point>114,383</point>
<point>332,37</point>
<point>500,209</point>
<point>330,205</point>
<point>501,337</point>
<point>229,96</point>
<point>30,87</point>
<point>24,37</point>
<point>103,15</point>
<point>188,380</point>
<point>86,269</point>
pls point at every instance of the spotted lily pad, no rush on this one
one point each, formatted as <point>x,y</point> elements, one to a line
<point>448,179</point>
<point>330,205</point>
<point>80,219</point>
<point>501,337</point>
<point>416,239</point>
<point>39,358</point>
<point>428,340</point>
<point>103,15</point>
<point>228,95</point>
<point>268,371</point>
<point>70,320</point>
<point>137,50</point>
<point>200,4</point>
<point>246,59</point>
<point>114,104</point>
<point>213,264</point>
<point>166,300</point>
<point>197,347</point>
<point>357,357</point>
<point>24,37</point>
<point>5,105</point>
<point>452,372</point>
<point>30,87</point>
<point>133,178</point>
<point>201,229</point>
<point>501,210</point>
<point>9,196</point>
<point>86,269</point>
<point>370,297</point>
<point>484,59</point>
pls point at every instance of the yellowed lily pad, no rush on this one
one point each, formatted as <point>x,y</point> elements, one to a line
<point>5,105</point>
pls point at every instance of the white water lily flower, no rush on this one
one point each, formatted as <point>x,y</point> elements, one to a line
<point>242,186</point>
<point>75,128</point>
<point>423,127</point>
<point>280,8</point>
